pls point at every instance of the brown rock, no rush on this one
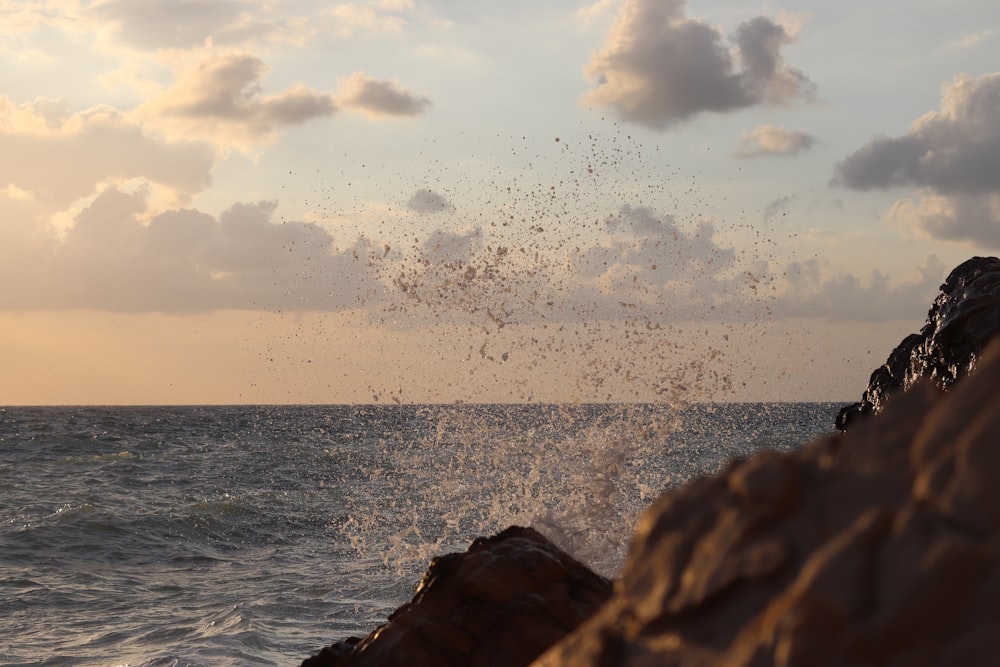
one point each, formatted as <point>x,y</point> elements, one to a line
<point>502,602</point>
<point>880,546</point>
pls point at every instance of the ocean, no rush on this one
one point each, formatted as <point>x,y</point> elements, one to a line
<point>256,535</point>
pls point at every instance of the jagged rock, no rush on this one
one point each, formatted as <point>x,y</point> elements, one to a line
<point>961,321</point>
<point>502,602</point>
<point>880,546</point>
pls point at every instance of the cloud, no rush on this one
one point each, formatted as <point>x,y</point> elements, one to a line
<point>456,248</point>
<point>347,19</point>
<point>168,24</point>
<point>952,155</point>
<point>651,265</point>
<point>220,100</point>
<point>376,97</point>
<point>426,202</point>
<point>811,289</point>
<point>648,267</point>
<point>659,68</point>
<point>649,261</point>
<point>596,10</point>
<point>776,206</point>
<point>956,217</point>
<point>954,149</point>
<point>642,242</point>
<point>970,40</point>
<point>185,260</point>
<point>27,29</point>
<point>769,140</point>
<point>43,145</point>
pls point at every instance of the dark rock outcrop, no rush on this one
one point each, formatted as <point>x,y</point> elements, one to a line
<point>503,602</point>
<point>961,321</point>
<point>880,546</point>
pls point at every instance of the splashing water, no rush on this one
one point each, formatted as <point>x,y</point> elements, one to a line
<point>580,268</point>
<point>579,474</point>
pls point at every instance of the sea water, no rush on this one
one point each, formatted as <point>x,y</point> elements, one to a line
<point>257,535</point>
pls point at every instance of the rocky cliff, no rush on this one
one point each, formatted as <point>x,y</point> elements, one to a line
<point>877,547</point>
<point>964,317</point>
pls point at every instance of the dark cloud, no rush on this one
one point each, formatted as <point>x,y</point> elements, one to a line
<point>778,206</point>
<point>952,154</point>
<point>659,67</point>
<point>764,76</point>
<point>227,88</point>
<point>426,202</point>
<point>378,97</point>
<point>952,150</point>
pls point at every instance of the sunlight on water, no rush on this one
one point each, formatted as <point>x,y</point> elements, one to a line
<point>245,535</point>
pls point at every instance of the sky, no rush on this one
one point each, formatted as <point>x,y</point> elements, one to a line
<point>434,202</point>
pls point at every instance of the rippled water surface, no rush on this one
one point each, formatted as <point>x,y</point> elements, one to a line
<point>257,535</point>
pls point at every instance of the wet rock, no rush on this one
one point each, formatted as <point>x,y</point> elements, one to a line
<point>961,321</point>
<point>503,602</point>
<point>880,546</point>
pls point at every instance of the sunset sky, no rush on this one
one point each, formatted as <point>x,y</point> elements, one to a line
<point>397,200</point>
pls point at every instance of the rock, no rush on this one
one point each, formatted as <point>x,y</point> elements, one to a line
<point>880,546</point>
<point>961,321</point>
<point>502,602</point>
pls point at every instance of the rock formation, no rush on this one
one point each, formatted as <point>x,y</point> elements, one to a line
<point>876,547</point>
<point>961,321</point>
<point>502,602</point>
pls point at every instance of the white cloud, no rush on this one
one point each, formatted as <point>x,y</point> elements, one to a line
<point>659,68</point>
<point>765,140</point>
<point>955,217</point>
<point>348,19</point>
<point>147,25</point>
<point>119,255</point>
<point>811,289</point>
<point>24,28</point>
<point>952,155</point>
<point>61,155</point>
<point>970,40</point>
<point>395,5</point>
<point>160,28</point>
<point>649,261</point>
<point>595,11</point>
<point>186,260</point>
<point>379,97</point>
